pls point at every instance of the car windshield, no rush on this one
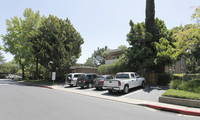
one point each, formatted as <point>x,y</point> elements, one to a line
<point>101,77</point>
<point>122,76</point>
<point>69,76</point>
<point>76,76</point>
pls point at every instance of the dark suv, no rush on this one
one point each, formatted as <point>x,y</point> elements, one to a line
<point>86,80</point>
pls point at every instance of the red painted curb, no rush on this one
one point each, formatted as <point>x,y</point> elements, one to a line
<point>185,112</point>
<point>43,86</point>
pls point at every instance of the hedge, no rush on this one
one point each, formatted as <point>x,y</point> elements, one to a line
<point>186,77</point>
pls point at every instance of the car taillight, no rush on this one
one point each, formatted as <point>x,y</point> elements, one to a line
<point>101,81</point>
<point>84,81</point>
<point>119,83</point>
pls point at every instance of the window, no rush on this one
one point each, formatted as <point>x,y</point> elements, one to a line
<point>109,77</point>
<point>89,77</point>
<point>122,76</point>
<point>69,76</point>
<point>132,76</point>
<point>94,76</point>
<point>76,76</point>
<point>137,76</point>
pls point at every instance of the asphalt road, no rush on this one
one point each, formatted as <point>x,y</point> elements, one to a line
<point>21,102</point>
<point>149,94</point>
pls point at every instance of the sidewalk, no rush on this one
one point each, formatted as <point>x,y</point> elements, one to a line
<point>155,105</point>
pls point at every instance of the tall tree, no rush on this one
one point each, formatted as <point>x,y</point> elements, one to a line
<point>1,58</point>
<point>139,55</point>
<point>144,53</point>
<point>99,56</point>
<point>16,39</point>
<point>150,15</point>
<point>196,15</point>
<point>90,62</point>
<point>57,44</point>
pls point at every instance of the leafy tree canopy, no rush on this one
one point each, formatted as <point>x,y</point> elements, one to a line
<point>57,44</point>
<point>16,38</point>
<point>99,56</point>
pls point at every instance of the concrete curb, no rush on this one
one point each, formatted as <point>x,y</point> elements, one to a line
<point>181,111</point>
<point>179,101</point>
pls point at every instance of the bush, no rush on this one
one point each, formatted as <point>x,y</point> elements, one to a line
<point>187,77</point>
<point>2,75</point>
<point>178,76</point>
<point>164,79</point>
<point>197,90</point>
<point>175,83</point>
<point>117,66</point>
<point>192,86</point>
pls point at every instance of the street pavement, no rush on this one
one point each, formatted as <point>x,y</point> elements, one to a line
<point>148,93</point>
<point>24,102</point>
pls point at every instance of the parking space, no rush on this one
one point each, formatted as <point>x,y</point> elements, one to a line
<point>148,93</point>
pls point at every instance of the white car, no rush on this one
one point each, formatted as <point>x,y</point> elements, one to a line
<point>124,81</point>
<point>71,79</point>
<point>12,76</point>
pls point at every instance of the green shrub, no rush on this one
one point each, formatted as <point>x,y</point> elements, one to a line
<point>118,66</point>
<point>175,83</point>
<point>187,77</point>
<point>178,76</point>
<point>164,79</point>
<point>192,86</point>
<point>2,75</point>
<point>197,90</point>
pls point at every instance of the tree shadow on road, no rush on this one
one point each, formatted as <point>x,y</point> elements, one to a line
<point>149,89</point>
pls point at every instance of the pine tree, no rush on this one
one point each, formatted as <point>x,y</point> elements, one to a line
<point>150,16</point>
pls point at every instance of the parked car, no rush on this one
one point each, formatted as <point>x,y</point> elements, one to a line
<point>86,80</point>
<point>71,79</point>
<point>124,81</point>
<point>14,77</point>
<point>99,81</point>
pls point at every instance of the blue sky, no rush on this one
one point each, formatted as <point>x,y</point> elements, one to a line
<point>100,22</point>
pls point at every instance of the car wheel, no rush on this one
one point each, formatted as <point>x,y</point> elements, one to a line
<point>97,88</point>
<point>90,85</point>
<point>143,85</point>
<point>110,91</point>
<point>126,89</point>
<point>82,87</point>
<point>71,85</point>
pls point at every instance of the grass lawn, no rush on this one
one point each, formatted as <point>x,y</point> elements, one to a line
<point>181,94</point>
<point>42,82</point>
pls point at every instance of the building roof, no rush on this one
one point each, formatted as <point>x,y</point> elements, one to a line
<point>74,67</point>
<point>115,50</point>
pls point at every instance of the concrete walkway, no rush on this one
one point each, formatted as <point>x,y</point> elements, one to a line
<point>151,104</point>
